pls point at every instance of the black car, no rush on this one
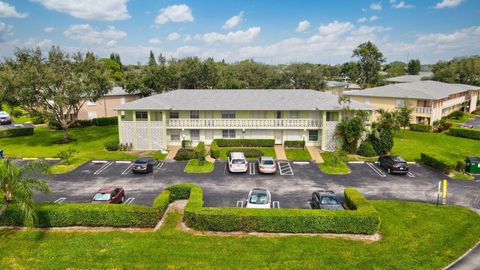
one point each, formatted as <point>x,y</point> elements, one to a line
<point>144,165</point>
<point>393,164</point>
<point>326,199</point>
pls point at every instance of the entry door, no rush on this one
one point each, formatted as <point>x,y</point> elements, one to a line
<point>208,135</point>
<point>278,136</point>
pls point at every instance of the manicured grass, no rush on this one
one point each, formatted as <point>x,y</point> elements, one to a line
<point>89,142</point>
<point>414,236</point>
<point>331,167</point>
<point>267,151</point>
<point>464,119</point>
<point>361,158</point>
<point>410,144</point>
<point>193,166</point>
<point>462,176</point>
<point>297,154</point>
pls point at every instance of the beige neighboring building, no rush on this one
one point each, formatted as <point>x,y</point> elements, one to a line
<point>104,106</point>
<point>430,100</point>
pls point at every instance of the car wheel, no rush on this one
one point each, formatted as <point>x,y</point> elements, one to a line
<point>389,171</point>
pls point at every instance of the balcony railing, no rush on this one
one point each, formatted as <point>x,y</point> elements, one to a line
<point>423,110</point>
<point>454,101</point>
<point>245,123</point>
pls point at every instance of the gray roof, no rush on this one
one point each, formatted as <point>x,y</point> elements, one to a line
<point>410,78</point>
<point>346,85</point>
<point>238,100</point>
<point>431,90</point>
<point>119,91</point>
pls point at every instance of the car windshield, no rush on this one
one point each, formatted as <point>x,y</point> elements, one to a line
<point>398,159</point>
<point>328,200</point>
<point>259,198</point>
<point>238,161</point>
<point>141,161</point>
<point>101,197</point>
<point>3,114</point>
<point>267,162</point>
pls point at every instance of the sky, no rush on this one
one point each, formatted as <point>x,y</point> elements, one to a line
<point>269,31</point>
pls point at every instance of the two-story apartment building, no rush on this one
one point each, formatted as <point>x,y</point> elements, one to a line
<point>430,100</point>
<point>165,119</point>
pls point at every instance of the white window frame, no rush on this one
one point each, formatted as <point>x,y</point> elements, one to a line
<point>228,115</point>
<point>195,138</point>
<point>400,103</point>
<point>332,116</point>
<point>194,115</point>
<point>122,100</point>
<point>174,134</point>
<point>229,133</point>
<point>309,136</point>
<point>92,115</point>
<point>176,117</point>
<point>141,114</point>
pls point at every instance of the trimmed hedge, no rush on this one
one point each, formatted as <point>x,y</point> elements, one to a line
<point>420,127</point>
<point>245,142</point>
<point>248,152</point>
<point>105,121</point>
<point>16,132</point>
<point>465,133</point>
<point>214,150</point>
<point>366,149</point>
<point>185,154</point>
<point>294,144</point>
<point>436,163</point>
<point>101,121</point>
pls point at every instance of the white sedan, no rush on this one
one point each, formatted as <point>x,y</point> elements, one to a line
<point>259,198</point>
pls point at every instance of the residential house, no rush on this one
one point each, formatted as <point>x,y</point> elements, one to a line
<point>410,78</point>
<point>165,119</point>
<point>104,106</point>
<point>430,100</point>
<point>337,88</point>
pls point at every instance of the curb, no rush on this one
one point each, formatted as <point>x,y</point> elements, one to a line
<point>461,257</point>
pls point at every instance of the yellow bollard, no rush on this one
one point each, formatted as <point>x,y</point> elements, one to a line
<point>444,197</point>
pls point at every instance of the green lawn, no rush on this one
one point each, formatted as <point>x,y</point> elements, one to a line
<point>89,142</point>
<point>193,166</point>
<point>409,145</point>
<point>267,151</point>
<point>297,154</point>
<point>331,167</point>
<point>464,119</point>
<point>415,236</point>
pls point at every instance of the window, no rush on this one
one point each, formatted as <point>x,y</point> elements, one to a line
<point>228,115</point>
<point>293,115</point>
<point>175,135</point>
<point>174,115</point>
<point>195,135</point>
<point>313,135</point>
<point>279,115</point>
<point>91,103</point>
<point>228,134</point>
<point>259,115</point>
<point>399,103</point>
<point>92,115</point>
<point>194,115</point>
<point>122,100</point>
<point>332,116</point>
<point>141,116</point>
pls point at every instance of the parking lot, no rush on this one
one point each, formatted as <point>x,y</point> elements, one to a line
<point>291,186</point>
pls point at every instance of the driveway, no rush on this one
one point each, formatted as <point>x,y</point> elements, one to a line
<point>473,123</point>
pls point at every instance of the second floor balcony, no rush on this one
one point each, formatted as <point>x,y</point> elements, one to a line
<point>244,123</point>
<point>423,110</point>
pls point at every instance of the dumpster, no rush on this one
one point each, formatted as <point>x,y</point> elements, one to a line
<point>472,164</point>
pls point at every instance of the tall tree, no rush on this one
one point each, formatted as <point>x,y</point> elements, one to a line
<point>56,86</point>
<point>404,115</point>
<point>370,60</point>
<point>151,60</point>
<point>414,67</point>
<point>350,131</point>
<point>464,70</point>
<point>396,68</point>
<point>18,183</point>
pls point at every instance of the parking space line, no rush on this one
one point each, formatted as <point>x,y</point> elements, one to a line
<point>103,168</point>
<point>285,168</point>
<point>275,204</point>
<point>239,204</point>
<point>375,169</point>
<point>60,200</point>
<point>225,169</point>
<point>159,165</point>
<point>129,200</point>
<point>99,161</point>
<point>123,162</point>
<point>251,168</point>
<point>127,170</point>
<point>410,174</point>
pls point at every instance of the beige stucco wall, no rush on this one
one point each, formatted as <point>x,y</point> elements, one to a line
<point>104,106</point>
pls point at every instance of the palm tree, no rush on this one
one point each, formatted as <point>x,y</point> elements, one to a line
<point>18,183</point>
<point>344,101</point>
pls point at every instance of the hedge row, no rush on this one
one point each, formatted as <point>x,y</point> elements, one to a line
<point>101,121</point>
<point>245,142</point>
<point>16,132</point>
<point>294,144</point>
<point>465,133</point>
<point>420,127</point>
<point>436,163</point>
<point>247,152</point>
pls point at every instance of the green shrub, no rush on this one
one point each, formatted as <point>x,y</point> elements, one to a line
<point>436,163</point>
<point>382,141</point>
<point>200,152</point>
<point>66,155</point>
<point>16,112</point>
<point>37,119</point>
<point>294,144</point>
<point>106,121</point>
<point>460,166</point>
<point>420,127</point>
<point>53,124</point>
<point>456,115</point>
<point>248,152</point>
<point>245,142</point>
<point>112,146</point>
<point>214,150</point>
<point>366,149</point>
<point>16,132</point>
<point>185,154</point>
<point>441,125</point>
<point>186,143</point>
<point>465,133</point>
<point>82,123</point>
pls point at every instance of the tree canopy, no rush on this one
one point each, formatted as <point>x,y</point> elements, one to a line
<point>370,60</point>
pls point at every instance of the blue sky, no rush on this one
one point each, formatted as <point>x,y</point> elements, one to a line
<point>265,30</point>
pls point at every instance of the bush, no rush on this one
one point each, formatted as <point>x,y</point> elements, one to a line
<point>436,163</point>
<point>66,155</point>
<point>185,154</point>
<point>53,124</point>
<point>106,121</point>
<point>441,125</point>
<point>465,133</point>
<point>112,146</point>
<point>248,152</point>
<point>37,119</point>
<point>16,112</point>
<point>200,152</point>
<point>294,144</point>
<point>366,149</point>
<point>420,127</point>
<point>456,115</point>
<point>245,142</point>
<point>214,150</point>
<point>186,143</point>
<point>460,166</point>
<point>16,132</point>
<point>382,141</point>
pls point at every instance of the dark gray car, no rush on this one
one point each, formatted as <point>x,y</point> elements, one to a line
<point>326,199</point>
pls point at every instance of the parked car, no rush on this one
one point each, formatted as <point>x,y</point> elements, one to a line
<point>326,199</point>
<point>237,162</point>
<point>144,165</point>
<point>259,198</point>
<point>5,118</point>
<point>109,195</point>
<point>393,164</point>
<point>266,165</point>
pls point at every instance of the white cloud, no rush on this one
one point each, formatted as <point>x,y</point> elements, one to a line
<point>48,29</point>
<point>233,37</point>
<point>174,13</point>
<point>400,4</point>
<point>303,26</point>
<point>6,11</point>
<point>87,35</point>
<point>233,21</point>
<point>173,36</point>
<point>335,28</point>
<point>105,10</point>
<point>373,18</point>
<point>376,6</point>
<point>5,30</point>
<point>187,38</point>
<point>362,20</point>
<point>154,41</point>
<point>448,3</point>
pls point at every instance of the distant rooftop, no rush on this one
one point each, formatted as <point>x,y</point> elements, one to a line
<point>332,84</point>
<point>244,99</point>
<point>119,91</point>
<point>410,78</point>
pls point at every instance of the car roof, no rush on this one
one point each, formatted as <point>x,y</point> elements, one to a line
<point>107,189</point>
<point>266,158</point>
<point>144,158</point>
<point>325,192</point>
<point>259,190</point>
<point>237,155</point>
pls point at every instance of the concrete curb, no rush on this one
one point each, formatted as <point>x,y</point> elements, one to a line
<point>461,257</point>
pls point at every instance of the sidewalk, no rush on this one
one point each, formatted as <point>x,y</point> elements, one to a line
<point>280,152</point>
<point>315,153</point>
<point>172,151</point>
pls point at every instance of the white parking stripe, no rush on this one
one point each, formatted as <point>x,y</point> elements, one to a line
<point>409,174</point>
<point>285,168</point>
<point>129,200</point>
<point>251,168</point>
<point>123,162</point>
<point>275,204</point>
<point>103,168</point>
<point>60,200</point>
<point>375,169</point>
<point>127,170</point>
<point>159,165</point>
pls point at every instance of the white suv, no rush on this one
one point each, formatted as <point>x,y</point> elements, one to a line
<point>237,162</point>
<point>259,198</point>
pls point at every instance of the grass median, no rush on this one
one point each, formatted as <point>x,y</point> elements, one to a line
<point>297,154</point>
<point>334,164</point>
<point>193,166</point>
